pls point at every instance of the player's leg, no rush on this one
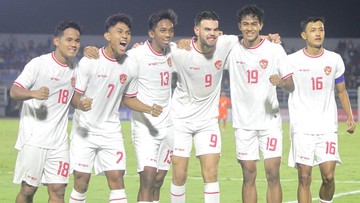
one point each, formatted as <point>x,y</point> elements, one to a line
<point>56,192</point>
<point>271,146</point>
<point>247,153</point>
<point>304,178</point>
<point>164,159</point>
<point>26,193</point>
<point>272,170</point>
<point>207,141</point>
<point>28,172</point>
<point>303,153</point>
<point>146,149</point>
<point>111,160</point>
<point>180,159</point>
<point>82,156</point>
<point>56,173</point>
<point>327,156</point>
<point>160,176</point>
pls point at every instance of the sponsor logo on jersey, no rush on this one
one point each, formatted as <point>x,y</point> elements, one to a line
<point>123,78</point>
<point>73,80</point>
<point>54,78</point>
<point>218,64</point>
<point>194,68</point>
<point>263,63</point>
<point>327,70</point>
<point>169,62</point>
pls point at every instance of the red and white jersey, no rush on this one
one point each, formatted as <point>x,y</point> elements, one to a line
<point>43,123</point>
<point>254,97</point>
<point>106,81</point>
<point>312,105</point>
<point>154,83</point>
<point>197,94</point>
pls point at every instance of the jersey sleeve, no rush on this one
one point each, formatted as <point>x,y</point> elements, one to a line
<point>83,74</point>
<point>132,87</point>
<point>285,70</point>
<point>340,67</point>
<point>29,74</point>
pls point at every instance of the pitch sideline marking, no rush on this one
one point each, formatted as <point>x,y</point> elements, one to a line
<point>335,195</point>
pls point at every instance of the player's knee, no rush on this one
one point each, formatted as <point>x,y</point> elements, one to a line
<point>56,191</point>
<point>328,179</point>
<point>27,191</point>
<point>304,179</point>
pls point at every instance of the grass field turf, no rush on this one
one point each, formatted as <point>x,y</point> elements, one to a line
<point>347,175</point>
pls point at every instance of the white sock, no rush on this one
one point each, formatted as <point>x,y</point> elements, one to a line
<point>325,201</point>
<point>76,197</point>
<point>156,201</point>
<point>177,193</point>
<point>117,196</point>
<point>212,192</point>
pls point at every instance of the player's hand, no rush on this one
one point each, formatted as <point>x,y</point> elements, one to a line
<point>351,125</point>
<point>156,110</point>
<point>275,80</point>
<point>135,45</point>
<point>184,44</point>
<point>41,94</point>
<point>91,52</point>
<point>85,104</point>
<point>274,38</point>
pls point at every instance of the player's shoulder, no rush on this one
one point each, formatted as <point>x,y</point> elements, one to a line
<point>329,53</point>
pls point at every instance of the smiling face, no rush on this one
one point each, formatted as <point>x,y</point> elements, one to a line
<point>67,45</point>
<point>162,35</point>
<point>250,27</point>
<point>118,37</point>
<point>207,32</point>
<point>314,34</point>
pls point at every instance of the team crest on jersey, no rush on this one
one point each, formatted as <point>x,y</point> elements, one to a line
<point>169,62</point>
<point>218,64</point>
<point>263,63</point>
<point>327,70</point>
<point>123,78</point>
<point>73,82</point>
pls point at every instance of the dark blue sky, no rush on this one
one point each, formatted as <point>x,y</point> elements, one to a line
<point>283,16</point>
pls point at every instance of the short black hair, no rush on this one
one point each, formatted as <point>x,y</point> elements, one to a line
<point>206,15</point>
<point>251,10</point>
<point>59,29</point>
<point>160,15</point>
<point>116,18</point>
<point>311,19</point>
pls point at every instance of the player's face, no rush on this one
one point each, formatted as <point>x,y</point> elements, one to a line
<point>250,27</point>
<point>162,35</point>
<point>314,34</point>
<point>207,32</point>
<point>118,37</point>
<point>68,44</point>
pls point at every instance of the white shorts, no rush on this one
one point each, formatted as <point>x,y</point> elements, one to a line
<point>37,166</point>
<point>153,150</point>
<point>313,149</point>
<point>249,143</point>
<point>206,134</point>
<point>95,150</point>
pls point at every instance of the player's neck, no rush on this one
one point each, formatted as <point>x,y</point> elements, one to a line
<point>59,57</point>
<point>252,43</point>
<point>203,48</point>
<point>314,51</point>
<point>157,48</point>
<point>110,52</point>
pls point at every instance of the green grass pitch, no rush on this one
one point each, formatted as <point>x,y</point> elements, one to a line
<point>347,175</point>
